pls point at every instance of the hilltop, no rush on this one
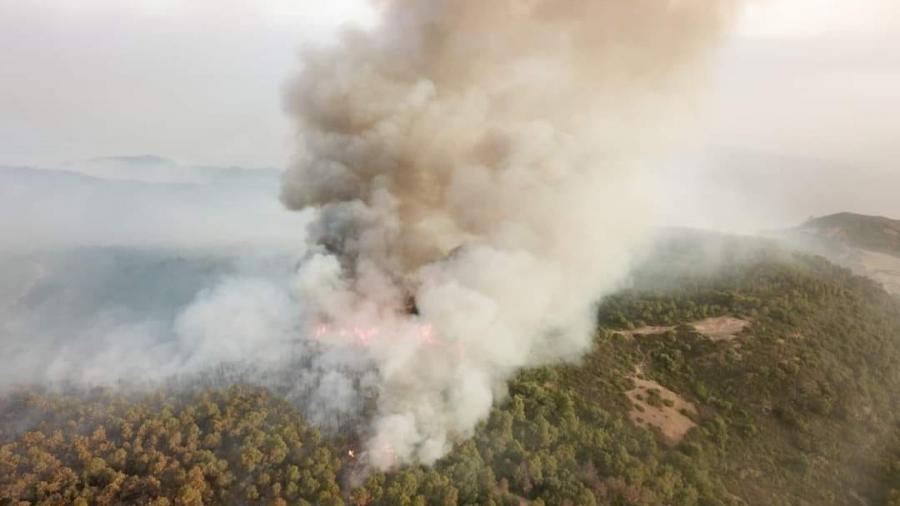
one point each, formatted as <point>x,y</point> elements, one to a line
<point>874,233</point>
<point>869,245</point>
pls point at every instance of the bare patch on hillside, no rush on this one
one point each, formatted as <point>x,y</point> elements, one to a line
<point>655,407</point>
<point>723,328</point>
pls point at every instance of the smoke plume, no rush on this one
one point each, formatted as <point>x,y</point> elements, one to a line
<point>488,161</point>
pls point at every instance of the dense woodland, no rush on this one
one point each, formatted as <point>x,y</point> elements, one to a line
<point>800,409</point>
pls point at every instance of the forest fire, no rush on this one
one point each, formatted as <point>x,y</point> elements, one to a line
<point>436,164</point>
<point>365,336</point>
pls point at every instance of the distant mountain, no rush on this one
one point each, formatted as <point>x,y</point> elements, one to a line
<point>131,205</point>
<point>157,169</point>
<point>874,233</point>
<point>869,245</point>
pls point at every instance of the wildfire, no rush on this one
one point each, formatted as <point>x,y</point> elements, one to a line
<point>365,336</point>
<point>388,452</point>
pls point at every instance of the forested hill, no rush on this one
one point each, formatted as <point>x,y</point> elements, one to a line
<point>874,233</point>
<point>771,379</point>
<point>868,245</point>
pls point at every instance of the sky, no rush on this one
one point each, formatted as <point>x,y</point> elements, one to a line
<point>805,113</point>
<point>198,81</point>
<point>201,82</point>
<point>815,78</point>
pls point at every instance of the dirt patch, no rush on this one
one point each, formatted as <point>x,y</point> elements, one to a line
<point>723,328</point>
<point>656,407</point>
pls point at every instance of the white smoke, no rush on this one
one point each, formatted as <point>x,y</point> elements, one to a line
<point>489,159</point>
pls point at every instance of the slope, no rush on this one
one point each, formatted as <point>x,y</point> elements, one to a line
<point>874,233</point>
<point>797,407</point>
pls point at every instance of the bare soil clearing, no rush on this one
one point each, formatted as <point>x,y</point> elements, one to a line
<point>722,328</point>
<point>665,413</point>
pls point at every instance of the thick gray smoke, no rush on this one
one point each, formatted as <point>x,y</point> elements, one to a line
<point>489,159</point>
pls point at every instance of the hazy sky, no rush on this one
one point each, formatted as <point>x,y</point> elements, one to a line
<point>811,88</point>
<point>200,81</point>
<point>815,78</point>
<point>197,80</point>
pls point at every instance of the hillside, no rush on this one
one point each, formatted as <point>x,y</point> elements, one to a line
<point>874,233</point>
<point>869,245</point>
<point>771,380</point>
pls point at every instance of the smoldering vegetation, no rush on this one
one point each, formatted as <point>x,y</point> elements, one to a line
<point>488,165</point>
<point>190,374</point>
<point>797,407</point>
<point>489,161</point>
<point>468,303</point>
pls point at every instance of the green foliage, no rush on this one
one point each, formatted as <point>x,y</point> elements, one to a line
<point>210,447</point>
